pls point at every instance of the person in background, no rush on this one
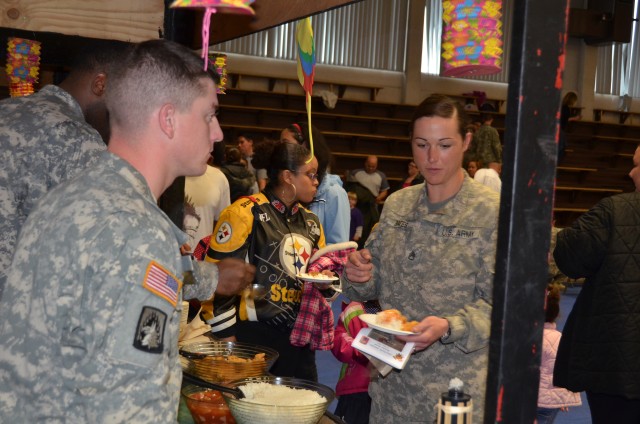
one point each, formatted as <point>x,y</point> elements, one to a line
<point>450,223</point>
<point>49,137</point>
<point>274,232</point>
<point>472,167</point>
<point>599,348</point>
<point>552,399</point>
<point>372,188</point>
<point>241,179</point>
<point>89,330</point>
<point>205,197</point>
<point>372,178</point>
<point>357,221</point>
<point>245,145</point>
<point>331,203</point>
<point>567,115</point>
<point>354,402</point>
<point>490,177</point>
<point>413,175</point>
<point>488,149</point>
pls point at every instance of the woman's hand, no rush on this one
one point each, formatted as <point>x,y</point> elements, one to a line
<point>358,268</point>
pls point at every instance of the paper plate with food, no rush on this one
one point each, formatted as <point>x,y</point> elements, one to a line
<point>317,277</point>
<point>390,321</point>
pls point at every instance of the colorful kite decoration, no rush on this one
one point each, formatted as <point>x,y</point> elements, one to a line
<point>211,7</point>
<point>23,63</point>
<point>306,65</point>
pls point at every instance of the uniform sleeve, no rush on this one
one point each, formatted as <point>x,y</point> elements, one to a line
<point>581,248</point>
<point>206,274</point>
<point>471,325</point>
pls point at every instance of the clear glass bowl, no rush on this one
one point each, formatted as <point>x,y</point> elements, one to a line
<point>246,412</point>
<point>219,362</point>
<point>206,406</point>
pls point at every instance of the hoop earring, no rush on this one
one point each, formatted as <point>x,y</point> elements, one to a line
<point>293,198</point>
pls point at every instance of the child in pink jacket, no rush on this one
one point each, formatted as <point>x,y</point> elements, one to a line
<point>354,402</point>
<point>552,399</point>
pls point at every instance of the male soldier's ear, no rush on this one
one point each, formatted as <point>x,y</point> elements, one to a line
<point>166,119</point>
<point>98,84</point>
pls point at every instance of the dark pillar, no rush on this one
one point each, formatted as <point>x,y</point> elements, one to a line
<point>535,81</point>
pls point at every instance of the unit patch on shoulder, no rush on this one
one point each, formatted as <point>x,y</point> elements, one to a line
<point>150,330</point>
<point>162,283</point>
<point>224,233</point>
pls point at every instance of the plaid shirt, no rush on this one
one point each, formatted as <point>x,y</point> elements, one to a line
<point>314,324</point>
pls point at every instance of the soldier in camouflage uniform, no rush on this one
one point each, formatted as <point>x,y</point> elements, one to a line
<point>488,149</point>
<point>49,137</point>
<point>432,257</point>
<point>90,317</point>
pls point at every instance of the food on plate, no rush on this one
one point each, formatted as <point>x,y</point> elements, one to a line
<point>279,395</point>
<point>316,276</point>
<point>393,319</point>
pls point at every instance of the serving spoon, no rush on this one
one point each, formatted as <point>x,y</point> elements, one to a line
<point>258,291</point>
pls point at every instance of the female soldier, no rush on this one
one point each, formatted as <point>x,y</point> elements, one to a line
<point>432,256</point>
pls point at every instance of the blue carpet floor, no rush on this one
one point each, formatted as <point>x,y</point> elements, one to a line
<point>329,367</point>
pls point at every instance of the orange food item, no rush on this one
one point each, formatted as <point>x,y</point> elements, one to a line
<point>394,319</point>
<point>209,407</point>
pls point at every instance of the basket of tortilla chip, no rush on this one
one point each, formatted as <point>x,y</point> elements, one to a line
<point>276,400</point>
<point>218,361</point>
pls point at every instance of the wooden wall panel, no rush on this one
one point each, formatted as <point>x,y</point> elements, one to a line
<point>125,20</point>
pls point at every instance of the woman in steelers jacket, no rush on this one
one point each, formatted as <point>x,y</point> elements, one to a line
<point>274,232</point>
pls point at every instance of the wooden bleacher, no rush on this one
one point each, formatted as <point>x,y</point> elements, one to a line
<point>596,163</point>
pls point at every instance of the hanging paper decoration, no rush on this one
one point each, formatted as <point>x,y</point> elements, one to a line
<point>219,62</point>
<point>471,37</point>
<point>23,63</point>
<point>306,65</point>
<point>211,7</point>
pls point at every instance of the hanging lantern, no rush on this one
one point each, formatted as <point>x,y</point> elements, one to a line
<point>471,37</point>
<point>218,61</point>
<point>23,64</point>
<point>211,7</point>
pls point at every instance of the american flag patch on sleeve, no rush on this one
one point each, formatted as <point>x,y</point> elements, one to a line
<point>162,283</point>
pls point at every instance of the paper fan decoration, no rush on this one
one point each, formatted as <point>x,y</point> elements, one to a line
<point>306,66</point>
<point>23,63</point>
<point>211,7</point>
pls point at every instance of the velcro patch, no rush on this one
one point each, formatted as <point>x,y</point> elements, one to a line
<point>150,330</point>
<point>161,282</point>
